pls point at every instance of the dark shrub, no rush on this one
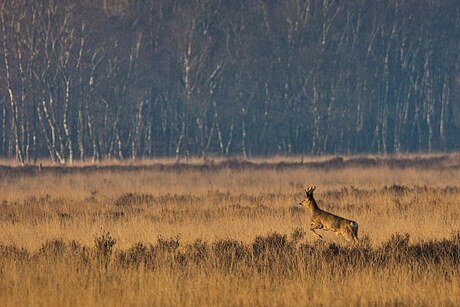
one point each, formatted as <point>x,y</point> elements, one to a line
<point>298,234</point>
<point>53,248</point>
<point>168,245</point>
<point>104,245</point>
<point>230,253</point>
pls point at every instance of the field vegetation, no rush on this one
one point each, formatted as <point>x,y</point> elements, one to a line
<point>230,233</point>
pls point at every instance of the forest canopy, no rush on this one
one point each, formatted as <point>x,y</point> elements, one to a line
<point>117,79</point>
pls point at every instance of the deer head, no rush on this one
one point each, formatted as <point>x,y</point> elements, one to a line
<point>308,197</point>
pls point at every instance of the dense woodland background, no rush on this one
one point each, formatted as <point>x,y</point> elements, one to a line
<point>124,79</point>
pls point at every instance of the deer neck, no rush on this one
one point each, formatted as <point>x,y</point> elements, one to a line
<point>314,207</point>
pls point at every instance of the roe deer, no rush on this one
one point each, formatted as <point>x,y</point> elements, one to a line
<point>324,220</point>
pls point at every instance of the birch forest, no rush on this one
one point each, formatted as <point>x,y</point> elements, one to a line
<point>89,80</point>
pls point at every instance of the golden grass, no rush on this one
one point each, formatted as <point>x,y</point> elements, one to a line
<point>193,237</point>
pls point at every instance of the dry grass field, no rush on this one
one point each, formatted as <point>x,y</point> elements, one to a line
<point>230,233</point>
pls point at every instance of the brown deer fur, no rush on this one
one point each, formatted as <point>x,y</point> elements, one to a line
<point>327,221</point>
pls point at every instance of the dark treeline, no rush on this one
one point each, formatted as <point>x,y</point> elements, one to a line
<point>123,79</point>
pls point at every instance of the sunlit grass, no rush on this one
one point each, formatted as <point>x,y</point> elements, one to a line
<point>53,226</point>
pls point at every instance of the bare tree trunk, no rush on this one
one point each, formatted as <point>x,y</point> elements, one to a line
<point>56,143</point>
<point>65,123</point>
<point>316,120</point>
<point>136,137</point>
<point>49,145</point>
<point>244,150</point>
<point>180,140</point>
<point>13,103</point>
<point>93,137</point>
<point>230,139</point>
<point>4,123</point>
<point>81,134</point>
<point>445,97</point>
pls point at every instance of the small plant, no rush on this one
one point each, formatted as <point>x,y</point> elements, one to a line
<point>230,252</point>
<point>53,248</point>
<point>168,245</point>
<point>298,234</point>
<point>104,245</point>
<point>272,244</point>
<point>129,199</point>
<point>199,251</point>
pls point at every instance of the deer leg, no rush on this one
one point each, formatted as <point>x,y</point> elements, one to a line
<point>355,234</point>
<point>348,236</point>
<point>316,234</point>
<point>314,226</point>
